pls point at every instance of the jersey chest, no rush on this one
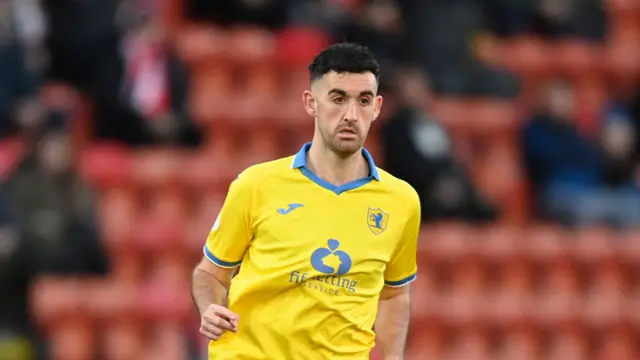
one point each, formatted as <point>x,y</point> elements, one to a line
<point>323,234</point>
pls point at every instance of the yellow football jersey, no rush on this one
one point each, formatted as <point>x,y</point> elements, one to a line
<point>314,259</point>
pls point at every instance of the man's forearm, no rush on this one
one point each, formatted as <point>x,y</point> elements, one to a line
<point>207,290</point>
<point>392,325</point>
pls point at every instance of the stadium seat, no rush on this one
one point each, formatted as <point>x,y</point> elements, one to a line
<point>471,344</point>
<point>544,243</point>
<point>528,56</point>
<point>492,117</point>
<point>123,340</point>
<point>594,244</point>
<point>499,243</point>
<point>72,340</point>
<point>570,344</point>
<point>250,45</point>
<point>109,299</point>
<point>519,344</point>
<point>157,168</point>
<point>623,54</point>
<point>590,99</point>
<point>296,46</point>
<point>107,165</point>
<point>575,58</point>
<point>55,298</point>
<point>427,342</point>
<point>117,211</point>
<point>618,343</point>
<point>161,301</point>
<point>211,94</point>
<point>167,342</point>
<point>199,45</point>
<point>559,302</point>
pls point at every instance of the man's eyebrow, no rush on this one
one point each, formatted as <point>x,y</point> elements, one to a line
<point>344,93</point>
<point>337,91</point>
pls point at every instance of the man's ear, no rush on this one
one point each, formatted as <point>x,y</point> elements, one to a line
<point>310,103</point>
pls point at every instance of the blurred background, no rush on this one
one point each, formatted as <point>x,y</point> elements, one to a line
<point>123,122</point>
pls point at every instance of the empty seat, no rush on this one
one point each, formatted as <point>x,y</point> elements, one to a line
<point>471,344</point>
<point>519,344</point>
<point>107,165</point>
<point>211,95</point>
<point>296,46</point>
<point>559,301</point>
<point>157,168</point>
<point>117,212</point>
<point>198,44</point>
<point>167,342</point>
<point>72,340</point>
<point>55,298</point>
<point>123,340</point>
<point>110,299</point>
<point>250,45</point>
<point>576,58</point>
<point>528,56</point>
<point>568,345</point>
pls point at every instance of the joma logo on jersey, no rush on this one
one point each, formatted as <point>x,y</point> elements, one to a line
<point>330,261</point>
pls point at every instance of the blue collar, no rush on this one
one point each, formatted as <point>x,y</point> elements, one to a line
<point>300,162</point>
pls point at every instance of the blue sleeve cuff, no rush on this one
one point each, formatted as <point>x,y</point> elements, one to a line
<point>221,263</point>
<point>402,282</point>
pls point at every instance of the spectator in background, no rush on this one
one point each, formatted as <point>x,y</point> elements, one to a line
<point>55,208</point>
<point>151,106</point>
<point>419,151</point>
<point>378,25</point>
<point>272,14</point>
<point>16,271</point>
<point>552,19</point>
<point>19,104</point>
<point>576,181</point>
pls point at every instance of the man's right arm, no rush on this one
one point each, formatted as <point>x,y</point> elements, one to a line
<point>210,285</point>
<point>228,240</point>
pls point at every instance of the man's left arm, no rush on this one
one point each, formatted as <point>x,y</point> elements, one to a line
<point>394,307</point>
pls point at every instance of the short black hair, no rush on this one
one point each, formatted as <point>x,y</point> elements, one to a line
<point>344,58</point>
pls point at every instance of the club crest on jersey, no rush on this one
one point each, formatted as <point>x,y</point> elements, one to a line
<point>377,220</point>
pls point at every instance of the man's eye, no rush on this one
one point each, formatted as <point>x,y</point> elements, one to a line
<point>338,100</point>
<point>364,101</point>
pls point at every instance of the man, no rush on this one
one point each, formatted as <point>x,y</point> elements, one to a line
<point>326,240</point>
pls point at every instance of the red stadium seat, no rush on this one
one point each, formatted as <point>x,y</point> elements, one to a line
<point>123,340</point>
<point>519,344</point>
<point>559,302</point>
<point>297,46</point>
<point>528,56</point>
<point>576,58</point>
<point>73,340</point>
<point>623,54</point>
<point>161,301</point>
<point>568,345</point>
<point>198,45</point>
<point>117,211</point>
<point>110,299</point>
<point>211,95</point>
<point>249,45</point>
<point>107,165</point>
<point>544,243</point>
<point>472,344</point>
<point>594,245</point>
<point>157,168</point>
<point>168,342</point>
<point>618,343</point>
<point>53,299</point>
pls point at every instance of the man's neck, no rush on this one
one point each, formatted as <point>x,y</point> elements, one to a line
<point>336,170</point>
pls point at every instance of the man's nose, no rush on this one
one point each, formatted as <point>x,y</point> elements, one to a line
<point>351,113</point>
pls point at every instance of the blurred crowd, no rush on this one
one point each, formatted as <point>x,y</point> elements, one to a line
<point>119,55</point>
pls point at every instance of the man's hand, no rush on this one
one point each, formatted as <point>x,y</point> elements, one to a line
<point>216,320</point>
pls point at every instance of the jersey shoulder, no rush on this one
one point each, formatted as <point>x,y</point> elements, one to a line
<point>254,175</point>
<point>399,187</point>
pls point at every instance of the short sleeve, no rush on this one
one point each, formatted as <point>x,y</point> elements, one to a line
<point>402,268</point>
<point>232,232</point>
